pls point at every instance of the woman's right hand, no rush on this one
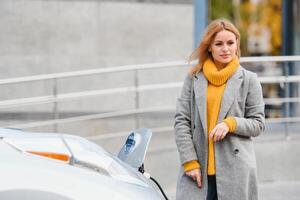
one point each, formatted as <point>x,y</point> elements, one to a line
<point>195,174</point>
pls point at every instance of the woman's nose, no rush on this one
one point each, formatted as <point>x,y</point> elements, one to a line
<point>225,48</point>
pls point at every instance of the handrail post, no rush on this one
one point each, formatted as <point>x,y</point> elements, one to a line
<point>287,104</point>
<point>137,100</point>
<point>55,106</point>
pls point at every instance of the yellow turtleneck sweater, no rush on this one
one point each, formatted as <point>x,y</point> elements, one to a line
<point>216,85</point>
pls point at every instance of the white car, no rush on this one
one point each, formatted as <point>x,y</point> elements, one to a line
<point>50,166</point>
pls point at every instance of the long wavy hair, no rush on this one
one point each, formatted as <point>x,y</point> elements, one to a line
<point>201,52</point>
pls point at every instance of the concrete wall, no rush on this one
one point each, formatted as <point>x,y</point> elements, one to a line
<point>154,1</point>
<point>41,36</point>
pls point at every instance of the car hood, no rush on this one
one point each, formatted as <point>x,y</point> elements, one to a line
<point>84,156</point>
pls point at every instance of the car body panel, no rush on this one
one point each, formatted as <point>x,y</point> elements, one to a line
<point>36,177</point>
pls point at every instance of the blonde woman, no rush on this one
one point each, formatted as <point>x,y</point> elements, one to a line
<point>218,112</point>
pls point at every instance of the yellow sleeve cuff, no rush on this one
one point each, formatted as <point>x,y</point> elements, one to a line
<point>188,166</point>
<point>231,123</point>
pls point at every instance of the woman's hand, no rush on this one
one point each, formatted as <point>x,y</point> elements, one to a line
<point>219,132</point>
<point>195,174</point>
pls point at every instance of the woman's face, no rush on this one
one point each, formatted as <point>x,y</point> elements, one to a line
<point>223,48</point>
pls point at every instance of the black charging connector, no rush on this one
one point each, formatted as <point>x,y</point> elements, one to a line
<point>142,170</point>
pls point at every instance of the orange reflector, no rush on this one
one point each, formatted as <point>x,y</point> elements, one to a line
<point>56,156</point>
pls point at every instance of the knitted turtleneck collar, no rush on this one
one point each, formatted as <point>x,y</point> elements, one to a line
<point>216,77</point>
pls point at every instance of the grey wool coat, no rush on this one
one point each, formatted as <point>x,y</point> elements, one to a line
<point>235,161</point>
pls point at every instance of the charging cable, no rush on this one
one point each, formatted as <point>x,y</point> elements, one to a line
<point>147,175</point>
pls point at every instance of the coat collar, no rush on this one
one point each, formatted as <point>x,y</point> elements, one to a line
<point>200,90</point>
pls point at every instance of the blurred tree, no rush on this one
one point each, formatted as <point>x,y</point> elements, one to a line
<point>247,14</point>
<point>221,9</point>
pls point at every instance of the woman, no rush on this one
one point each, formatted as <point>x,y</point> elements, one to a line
<point>218,112</point>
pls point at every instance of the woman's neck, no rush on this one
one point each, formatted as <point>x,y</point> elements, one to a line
<point>219,65</point>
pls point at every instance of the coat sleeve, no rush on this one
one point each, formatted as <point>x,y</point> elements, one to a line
<point>182,125</point>
<point>253,122</point>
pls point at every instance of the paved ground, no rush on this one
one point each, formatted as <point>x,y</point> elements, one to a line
<point>282,190</point>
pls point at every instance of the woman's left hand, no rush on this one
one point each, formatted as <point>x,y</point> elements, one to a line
<point>219,132</point>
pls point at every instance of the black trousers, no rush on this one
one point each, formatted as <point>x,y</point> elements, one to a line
<point>212,188</point>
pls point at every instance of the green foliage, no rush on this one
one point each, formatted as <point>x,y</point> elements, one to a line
<point>266,13</point>
<point>221,9</point>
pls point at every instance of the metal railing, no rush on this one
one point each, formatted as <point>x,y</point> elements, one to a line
<point>136,88</point>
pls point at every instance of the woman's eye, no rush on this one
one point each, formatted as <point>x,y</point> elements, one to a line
<point>218,44</point>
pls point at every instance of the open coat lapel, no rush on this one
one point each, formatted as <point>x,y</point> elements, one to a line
<point>200,88</point>
<point>233,83</point>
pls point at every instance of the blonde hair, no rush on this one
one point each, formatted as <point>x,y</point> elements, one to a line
<point>202,51</point>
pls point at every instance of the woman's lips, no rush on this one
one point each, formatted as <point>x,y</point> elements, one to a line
<point>225,56</point>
